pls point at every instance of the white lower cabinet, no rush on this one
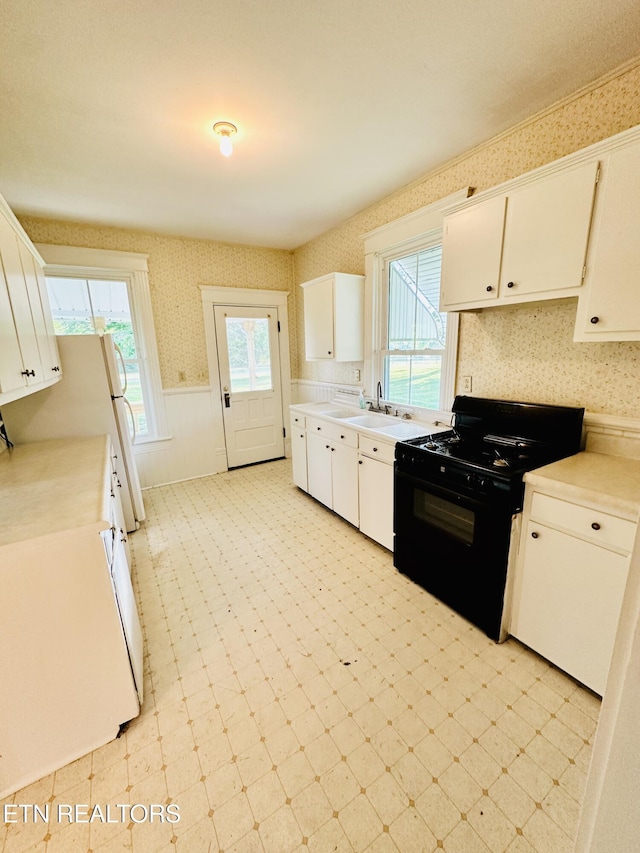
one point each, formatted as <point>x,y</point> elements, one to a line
<point>346,470</point>
<point>72,647</point>
<point>375,480</point>
<point>570,582</point>
<point>333,474</point>
<point>299,457</point>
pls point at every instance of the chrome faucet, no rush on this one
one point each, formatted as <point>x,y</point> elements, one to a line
<point>378,407</point>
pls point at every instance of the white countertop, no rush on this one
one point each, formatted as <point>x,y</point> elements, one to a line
<point>606,481</point>
<point>404,428</point>
<point>55,485</point>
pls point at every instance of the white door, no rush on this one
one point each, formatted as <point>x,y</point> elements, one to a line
<point>249,364</point>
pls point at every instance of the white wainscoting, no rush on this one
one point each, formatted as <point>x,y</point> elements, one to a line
<point>193,450</point>
<point>307,391</point>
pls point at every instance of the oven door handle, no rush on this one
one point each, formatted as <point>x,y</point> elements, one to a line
<point>438,490</point>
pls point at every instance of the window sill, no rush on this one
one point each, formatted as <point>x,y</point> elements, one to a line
<point>147,441</point>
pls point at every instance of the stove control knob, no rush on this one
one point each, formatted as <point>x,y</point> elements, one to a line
<point>470,479</point>
<point>483,483</point>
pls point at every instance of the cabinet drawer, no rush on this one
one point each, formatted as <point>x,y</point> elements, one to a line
<point>298,421</point>
<point>377,449</point>
<point>594,525</point>
<point>332,431</point>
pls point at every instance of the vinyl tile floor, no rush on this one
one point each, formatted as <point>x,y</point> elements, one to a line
<point>302,695</point>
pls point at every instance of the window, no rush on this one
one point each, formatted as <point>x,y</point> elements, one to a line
<point>413,344</point>
<point>249,353</point>
<point>416,331</point>
<point>82,306</point>
<point>98,290</point>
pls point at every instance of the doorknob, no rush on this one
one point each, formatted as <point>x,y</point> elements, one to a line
<point>227,397</point>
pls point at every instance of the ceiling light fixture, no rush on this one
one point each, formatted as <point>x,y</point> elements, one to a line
<point>225,131</point>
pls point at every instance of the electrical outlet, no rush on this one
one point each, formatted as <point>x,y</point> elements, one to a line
<point>466,384</point>
<point>356,375</point>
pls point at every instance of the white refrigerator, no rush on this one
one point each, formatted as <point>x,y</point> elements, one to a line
<point>88,400</point>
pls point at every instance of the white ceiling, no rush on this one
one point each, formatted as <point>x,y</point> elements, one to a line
<point>107,105</point>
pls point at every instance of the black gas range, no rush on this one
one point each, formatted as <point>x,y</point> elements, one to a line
<point>457,493</point>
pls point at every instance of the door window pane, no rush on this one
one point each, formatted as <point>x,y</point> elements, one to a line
<point>249,354</point>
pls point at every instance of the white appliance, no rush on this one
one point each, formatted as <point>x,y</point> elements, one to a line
<point>88,400</point>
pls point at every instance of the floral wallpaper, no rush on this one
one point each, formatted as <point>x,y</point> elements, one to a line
<point>520,352</point>
<point>177,267</point>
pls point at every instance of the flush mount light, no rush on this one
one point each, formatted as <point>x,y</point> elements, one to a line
<point>225,131</point>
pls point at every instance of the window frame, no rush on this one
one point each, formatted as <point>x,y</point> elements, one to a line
<point>130,267</point>
<point>448,354</point>
<point>419,230</point>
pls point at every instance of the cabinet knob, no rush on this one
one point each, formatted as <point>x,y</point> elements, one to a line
<point>341,436</point>
<point>489,288</point>
<point>595,320</point>
<point>327,446</point>
<point>375,449</point>
<point>534,535</point>
<point>359,461</point>
<point>595,526</point>
<point>318,428</point>
<point>510,284</point>
<point>328,352</point>
<point>332,449</point>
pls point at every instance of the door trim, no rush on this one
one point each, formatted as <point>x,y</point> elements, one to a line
<point>243,297</point>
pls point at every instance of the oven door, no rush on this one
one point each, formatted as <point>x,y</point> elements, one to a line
<point>454,546</point>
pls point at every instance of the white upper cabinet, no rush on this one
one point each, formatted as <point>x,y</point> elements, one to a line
<point>609,308</point>
<point>28,349</point>
<point>526,243</point>
<point>471,253</point>
<point>334,317</point>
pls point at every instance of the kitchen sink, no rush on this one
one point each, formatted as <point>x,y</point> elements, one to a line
<point>341,414</point>
<point>403,430</point>
<point>370,421</point>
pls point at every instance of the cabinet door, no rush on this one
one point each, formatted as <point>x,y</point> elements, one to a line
<point>344,473</point>
<point>376,500</point>
<point>20,305</point>
<point>42,324</point>
<point>569,600</point>
<point>318,319</point>
<point>299,458</point>
<point>471,252</point>
<point>610,307</point>
<point>128,612</point>
<point>50,361</point>
<point>546,233</point>
<point>319,469</point>
<point>11,375</point>
<point>348,319</point>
